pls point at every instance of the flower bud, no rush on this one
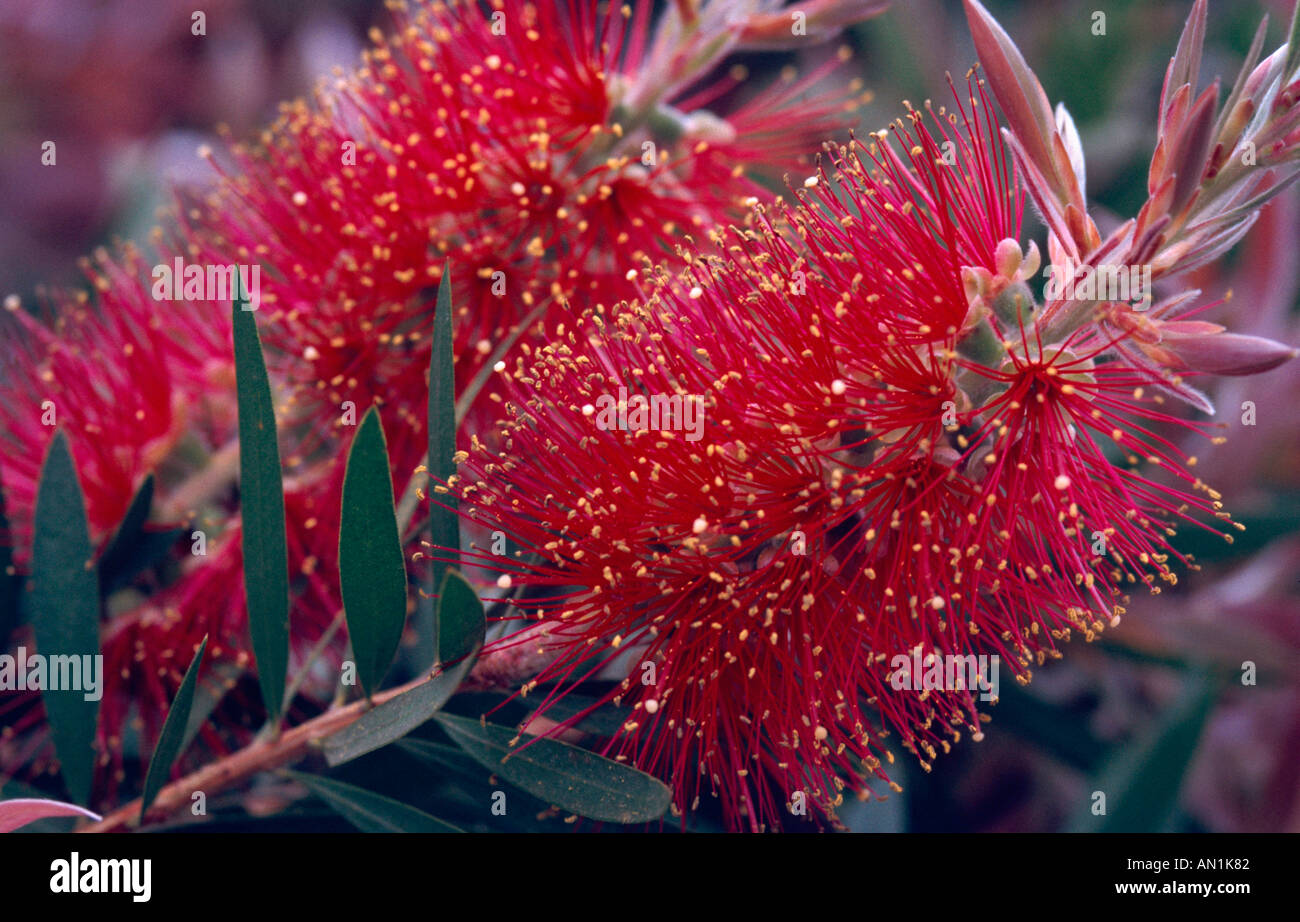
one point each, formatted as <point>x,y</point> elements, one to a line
<point>976,282</point>
<point>1014,304</point>
<point>1222,353</point>
<point>1007,257</point>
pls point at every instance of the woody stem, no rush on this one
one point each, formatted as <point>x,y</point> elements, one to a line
<point>502,669</point>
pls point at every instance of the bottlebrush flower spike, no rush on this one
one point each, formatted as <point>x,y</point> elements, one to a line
<point>143,386</point>
<point>140,386</point>
<point>767,567</point>
<point>901,462</point>
<point>547,148</point>
<point>127,381</point>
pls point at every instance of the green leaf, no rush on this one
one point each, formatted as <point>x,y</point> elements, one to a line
<point>173,732</point>
<point>566,776</point>
<point>462,611</point>
<point>445,523</point>
<point>119,546</point>
<point>10,581</point>
<point>1142,781</point>
<point>133,547</point>
<point>222,676</point>
<point>368,811</point>
<point>460,622</point>
<point>64,607</point>
<point>372,571</point>
<point>396,717</point>
<point>150,547</point>
<point>261,498</point>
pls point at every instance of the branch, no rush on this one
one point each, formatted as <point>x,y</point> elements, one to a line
<point>259,756</point>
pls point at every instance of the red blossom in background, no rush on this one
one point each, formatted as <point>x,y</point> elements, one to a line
<point>544,169</point>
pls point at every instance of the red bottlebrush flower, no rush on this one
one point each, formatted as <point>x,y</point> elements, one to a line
<point>763,566</point>
<point>546,149</point>
<point>905,461</point>
<point>551,143</point>
<point>144,385</point>
<point>129,378</point>
<point>148,646</point>
<point>140,386</point>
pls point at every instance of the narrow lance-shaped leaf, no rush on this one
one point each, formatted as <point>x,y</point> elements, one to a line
<point>442,429</point>
<point>368,811</point>
<point>1029,114</point>
<point>602,719</point>
<point>1292,44</point>
<point>133,546</point>
<point>208,696</point>
<point>64,608</point>
<point>372,572</point>
<point>136,515</point>
<point>461,624</point>
<point>172,737</point>
<point>1185,66</point>
<point>461,609</point>
<point>395,718</point>
<point>566,776</point>
<point>261,497</point>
